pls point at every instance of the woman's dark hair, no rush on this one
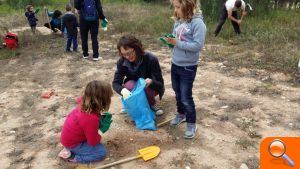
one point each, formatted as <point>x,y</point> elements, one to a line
<point>96,97</point>
<point>57,14</point>
<point>129,41</point>
<point>238,3</point>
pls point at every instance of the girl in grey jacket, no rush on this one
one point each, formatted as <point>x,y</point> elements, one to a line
<point>189,31</point>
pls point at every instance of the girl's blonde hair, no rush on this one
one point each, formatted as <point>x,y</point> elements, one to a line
<point>188,8</point>
<point>96,97</point>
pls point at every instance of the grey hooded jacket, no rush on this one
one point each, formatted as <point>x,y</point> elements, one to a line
<point>190,37</point>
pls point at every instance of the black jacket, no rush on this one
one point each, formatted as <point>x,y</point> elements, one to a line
<point>31,18</point>
<point>149,68</point>
<point>69,21</point>
<point>79,4</point>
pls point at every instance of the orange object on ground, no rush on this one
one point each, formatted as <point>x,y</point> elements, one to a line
<point>48,94</point>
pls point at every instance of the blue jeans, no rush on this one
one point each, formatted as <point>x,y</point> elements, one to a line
<point>69,42</point>
<point>85,153</point>
<point>182,83</point>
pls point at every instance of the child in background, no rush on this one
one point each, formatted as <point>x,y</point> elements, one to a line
<point>70,24</point>
<point>30,14</point>
<point>189,31</point>
<point>55,23</point>
<point>79,135</point>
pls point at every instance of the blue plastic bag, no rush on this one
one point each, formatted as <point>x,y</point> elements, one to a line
<point>136,105</point>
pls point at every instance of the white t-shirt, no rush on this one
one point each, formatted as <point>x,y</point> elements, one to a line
<point>230,5</point>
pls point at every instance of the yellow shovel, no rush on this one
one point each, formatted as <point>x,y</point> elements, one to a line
<point>147,153</point>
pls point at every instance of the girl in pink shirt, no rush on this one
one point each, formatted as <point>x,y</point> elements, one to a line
<point>79,135</point>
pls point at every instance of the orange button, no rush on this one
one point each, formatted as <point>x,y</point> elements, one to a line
<point>280,153</point>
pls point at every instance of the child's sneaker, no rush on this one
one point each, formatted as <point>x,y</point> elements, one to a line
<point>122,111</point>
<point>85,57</point>
<point>178,119</point>
<point>191,129</point>
<point>68,50</point>
<point>65,154</point>
<point>157,110</point>
<point>72,160</point>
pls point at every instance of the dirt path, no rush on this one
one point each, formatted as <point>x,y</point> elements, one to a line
<point>40,29</point>
<point>236,109</point>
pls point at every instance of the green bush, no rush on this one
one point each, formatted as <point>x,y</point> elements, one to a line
<point>150,19</point>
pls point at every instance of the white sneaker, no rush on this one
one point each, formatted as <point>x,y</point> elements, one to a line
<point>97,58</point>
<point>122,111</point>
<point>157,110</point>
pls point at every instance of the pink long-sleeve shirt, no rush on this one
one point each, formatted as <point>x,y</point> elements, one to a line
<point>80,127</point>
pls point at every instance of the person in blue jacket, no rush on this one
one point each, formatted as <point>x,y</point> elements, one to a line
<point>56,18</point>
<point>189,32</point>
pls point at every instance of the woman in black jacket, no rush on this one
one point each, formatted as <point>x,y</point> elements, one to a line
<point>133,64</point>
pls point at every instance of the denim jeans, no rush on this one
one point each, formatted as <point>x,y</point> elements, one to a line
<point>71,39</point>
<point>149,92</point>
<point>85,153</point>
<point>182,83</point>
<point>93,27</point>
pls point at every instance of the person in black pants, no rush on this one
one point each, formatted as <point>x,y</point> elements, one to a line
<point>87,25</point>
<point>230,9</point>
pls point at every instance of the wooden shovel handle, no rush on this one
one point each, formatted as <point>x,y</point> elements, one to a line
<point>119,162</point>
<point>46,11</point>
<point>164,122</point>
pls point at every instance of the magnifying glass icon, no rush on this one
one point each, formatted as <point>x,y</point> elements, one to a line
<point>277,149</point>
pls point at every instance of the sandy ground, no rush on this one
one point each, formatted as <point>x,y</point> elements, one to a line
<point>40,29</point>
<point>236,109</point>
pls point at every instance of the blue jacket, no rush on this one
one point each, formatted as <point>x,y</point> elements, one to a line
<point>54,20</point>
<point>31,18</point>
<point>190,37</point>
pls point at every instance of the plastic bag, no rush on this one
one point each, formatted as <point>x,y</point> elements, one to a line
<point>136,105</point>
